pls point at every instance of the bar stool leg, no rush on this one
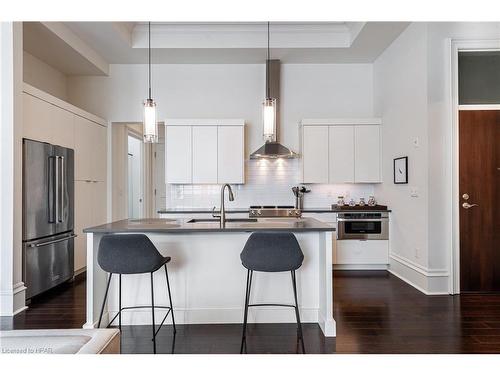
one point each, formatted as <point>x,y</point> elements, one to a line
<point>245,318</point>
<point>104,301</point>
<point>153,313</point>
<point>170,299</point>
<point>120,302</point>
<point>299,324</point>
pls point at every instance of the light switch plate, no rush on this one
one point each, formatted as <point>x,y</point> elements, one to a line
<point>416,142</point>
<point>414,191</point>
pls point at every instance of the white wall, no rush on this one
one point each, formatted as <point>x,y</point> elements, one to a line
<point>401,92</point>
<point>412,95</point>
<point>236,91</point>
<point>43,76</point>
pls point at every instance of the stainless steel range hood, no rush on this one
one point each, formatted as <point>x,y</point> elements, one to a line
<point>274,150</point>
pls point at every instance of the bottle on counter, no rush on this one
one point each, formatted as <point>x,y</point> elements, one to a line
<point>352,202</point>
<point>371,201</point>
<point>340,200</point>
<point>362,202</point>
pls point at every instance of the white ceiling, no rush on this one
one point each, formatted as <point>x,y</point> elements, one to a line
<point>196,43</point>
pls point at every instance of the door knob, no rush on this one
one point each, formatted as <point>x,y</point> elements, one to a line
<point>467,205</point>
<point>465,196</point>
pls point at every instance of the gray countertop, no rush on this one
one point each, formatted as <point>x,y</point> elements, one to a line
<point>183,226</point>
<point>245,210</point>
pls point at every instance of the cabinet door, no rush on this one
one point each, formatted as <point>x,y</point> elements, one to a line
<point>204,154</point>
<point>231,155</point>
<point>63,128</point>
<point>36,119</point>
<point>83,219</point>
<point>315,154</point>
<point>99,154</point>
<point>367,153</point>
<point>84,149</point>
<point>341,154</point>
<point>361,252</point>
<point>99,203</point>
<point>178,157</point>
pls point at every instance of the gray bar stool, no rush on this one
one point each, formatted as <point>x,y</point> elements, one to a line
<point>271,252</point>
<point>129,254</point>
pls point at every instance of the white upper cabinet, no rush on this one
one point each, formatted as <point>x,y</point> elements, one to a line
<point>339,151</point>
<point>63,128</point>
<point>178,154</point>
<point>90,150</point>
<point>204,154</point>
<point>315,154</point>
<point>341,154</point>
<point>231,155</point>
<point>204,151</point>
<point>367,153</point>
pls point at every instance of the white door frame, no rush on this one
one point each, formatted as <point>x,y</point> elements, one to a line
<point>456,47</point>
<point>134,134</point>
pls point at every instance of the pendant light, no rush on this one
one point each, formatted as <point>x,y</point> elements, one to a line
<point>269,105</point>
<point>150,126</point>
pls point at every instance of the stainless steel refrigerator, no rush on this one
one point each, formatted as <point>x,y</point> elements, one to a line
<point>48,216</point>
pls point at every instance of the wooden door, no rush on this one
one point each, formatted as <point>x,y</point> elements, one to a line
<point>479,184</point>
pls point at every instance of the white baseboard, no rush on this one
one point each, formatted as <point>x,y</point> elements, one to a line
<point>427,281</point>
<point>80,271</point>
<point>13,302</point>
<point>360,267</point>
<point>104,323</point>
<point>219,315</point>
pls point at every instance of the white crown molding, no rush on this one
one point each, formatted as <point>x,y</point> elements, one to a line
<point>246,35</point>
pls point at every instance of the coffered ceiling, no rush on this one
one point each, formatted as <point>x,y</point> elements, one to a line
<point>198,43</point>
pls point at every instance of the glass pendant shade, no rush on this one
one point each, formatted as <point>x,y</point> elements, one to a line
<point>150,125</point>
<point>269,119</point>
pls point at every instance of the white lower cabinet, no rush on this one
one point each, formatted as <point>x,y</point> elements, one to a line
<point>361,252</point>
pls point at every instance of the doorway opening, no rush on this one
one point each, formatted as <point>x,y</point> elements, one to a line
<point>475,264</point>
<point>135,177</point>
<point>137,173</point>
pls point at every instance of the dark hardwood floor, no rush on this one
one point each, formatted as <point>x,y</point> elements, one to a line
<point>375,313</point>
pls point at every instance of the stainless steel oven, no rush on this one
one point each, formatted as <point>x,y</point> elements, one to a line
<point>363,226</point>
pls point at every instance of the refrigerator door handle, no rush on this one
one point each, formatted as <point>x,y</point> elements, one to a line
<point>62,178</point>
<point>54,241</point>
<point>57,189</point>
<point>52,189</point>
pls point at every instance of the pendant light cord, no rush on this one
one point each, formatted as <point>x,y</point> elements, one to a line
<point>149,58</point>
<point>267,64</point>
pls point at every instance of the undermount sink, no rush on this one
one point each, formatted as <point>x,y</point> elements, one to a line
<point>242,220</point>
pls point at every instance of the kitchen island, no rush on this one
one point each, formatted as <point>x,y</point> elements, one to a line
<point>206,276</point>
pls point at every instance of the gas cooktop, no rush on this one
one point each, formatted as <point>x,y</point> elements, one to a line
<point>274,211</point>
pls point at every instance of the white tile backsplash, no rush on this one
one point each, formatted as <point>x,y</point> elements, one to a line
<point>268,182</point>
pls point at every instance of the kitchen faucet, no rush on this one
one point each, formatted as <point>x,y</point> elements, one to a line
<point>222,215</point>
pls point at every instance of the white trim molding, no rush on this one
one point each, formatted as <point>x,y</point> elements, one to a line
<point>428,281</point>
